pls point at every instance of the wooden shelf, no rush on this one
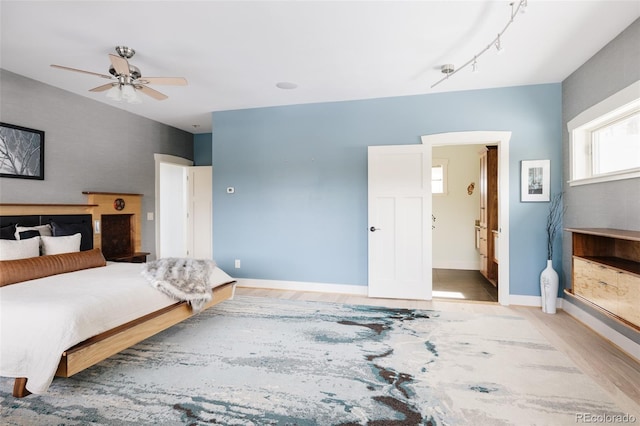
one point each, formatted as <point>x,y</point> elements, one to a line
<point>21,209</point>
<point>620,234</point>
<point>110,193</point>
<point>45,205</point>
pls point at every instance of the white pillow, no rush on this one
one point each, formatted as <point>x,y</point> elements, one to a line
<point>42,229</point>
<point>19,249</point>
<point>59,245</point>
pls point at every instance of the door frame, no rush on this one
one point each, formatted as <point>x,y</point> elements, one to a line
<point>501,139</point>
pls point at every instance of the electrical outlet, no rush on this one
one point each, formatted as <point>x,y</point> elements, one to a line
<point>237,264</point>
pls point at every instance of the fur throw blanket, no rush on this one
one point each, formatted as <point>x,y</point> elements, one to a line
<point>182,279</point>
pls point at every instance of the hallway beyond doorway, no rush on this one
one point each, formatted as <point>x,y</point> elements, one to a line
<point>463,285</point>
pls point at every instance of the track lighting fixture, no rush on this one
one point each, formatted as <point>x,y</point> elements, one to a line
<point>449,70</point>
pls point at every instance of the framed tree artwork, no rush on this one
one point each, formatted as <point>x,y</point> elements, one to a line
<point>21,152</point>
<point>535,180</point>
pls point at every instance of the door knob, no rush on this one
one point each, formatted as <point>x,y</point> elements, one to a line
<point>374,229</point>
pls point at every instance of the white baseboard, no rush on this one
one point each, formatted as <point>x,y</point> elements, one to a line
<point>629,346</point>
<point>360,290</point>
<point>515,299</point>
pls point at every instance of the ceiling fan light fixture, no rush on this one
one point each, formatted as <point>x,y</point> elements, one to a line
<point>130,95</point>
<point>127,79</point>
<point>135,99</point>
<point>115,93</point>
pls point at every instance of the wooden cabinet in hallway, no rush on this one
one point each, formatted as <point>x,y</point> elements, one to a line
<point>488,212</point>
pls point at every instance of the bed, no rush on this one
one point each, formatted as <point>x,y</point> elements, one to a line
<point>64,312</point>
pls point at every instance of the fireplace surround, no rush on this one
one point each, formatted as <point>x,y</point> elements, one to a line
<point>117,225</point>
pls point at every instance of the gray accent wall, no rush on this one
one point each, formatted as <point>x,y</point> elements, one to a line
<point>89,146</point>
<point>609,204</point>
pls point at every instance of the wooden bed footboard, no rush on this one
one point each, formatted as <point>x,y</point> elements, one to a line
<point>100,347</point>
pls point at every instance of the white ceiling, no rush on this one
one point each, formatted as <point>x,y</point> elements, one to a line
<point>234,52</point>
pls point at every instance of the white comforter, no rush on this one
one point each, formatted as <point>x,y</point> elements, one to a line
<point>39,319</point>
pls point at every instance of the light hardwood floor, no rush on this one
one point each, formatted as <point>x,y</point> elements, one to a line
<point>614,370</point>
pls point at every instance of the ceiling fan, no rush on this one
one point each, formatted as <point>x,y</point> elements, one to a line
<point>128,79</point>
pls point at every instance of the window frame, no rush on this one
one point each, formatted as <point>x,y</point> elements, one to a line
<point>444,163</point>
<point>615,108</point>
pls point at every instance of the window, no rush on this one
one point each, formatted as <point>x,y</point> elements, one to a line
<point>605,139</point>
<point>439,176</point>
<point>616,146</point>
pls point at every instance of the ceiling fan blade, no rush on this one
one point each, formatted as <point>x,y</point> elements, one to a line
<point>171,81</point>
<point>82,71</point>
<point>153,93</point>
<point>121,65</point>
<point>102,88</point>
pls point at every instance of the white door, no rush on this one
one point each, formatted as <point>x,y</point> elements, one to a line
<point>400,222</point>
<point>200,213</point>
<point>172,210</point>
<point>184,208</point>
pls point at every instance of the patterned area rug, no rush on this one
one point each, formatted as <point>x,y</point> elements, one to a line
<point>256,361</point>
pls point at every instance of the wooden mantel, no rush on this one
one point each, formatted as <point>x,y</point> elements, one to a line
<point>17,209</point>
<point>110,193</point>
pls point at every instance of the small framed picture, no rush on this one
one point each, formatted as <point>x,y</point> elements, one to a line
<point>535,180</point>
<point>21,152</point>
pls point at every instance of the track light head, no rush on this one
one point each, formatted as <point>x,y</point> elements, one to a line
<point>447,69</point>
<point>498,45</point>
<point>474,65</point>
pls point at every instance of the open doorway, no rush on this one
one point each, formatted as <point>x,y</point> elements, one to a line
<point>464,208</point>
<point>501,141</point>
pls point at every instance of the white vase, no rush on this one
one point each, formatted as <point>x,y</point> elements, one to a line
<point>549,288</point>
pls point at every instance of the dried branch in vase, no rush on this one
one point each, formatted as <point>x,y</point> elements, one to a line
<point>554,219</point>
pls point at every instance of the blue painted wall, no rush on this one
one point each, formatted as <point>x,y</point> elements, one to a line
<point>202,155</point>
<point>299,211</point>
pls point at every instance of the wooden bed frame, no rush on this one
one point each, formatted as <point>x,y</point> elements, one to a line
<point>100,347</point>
